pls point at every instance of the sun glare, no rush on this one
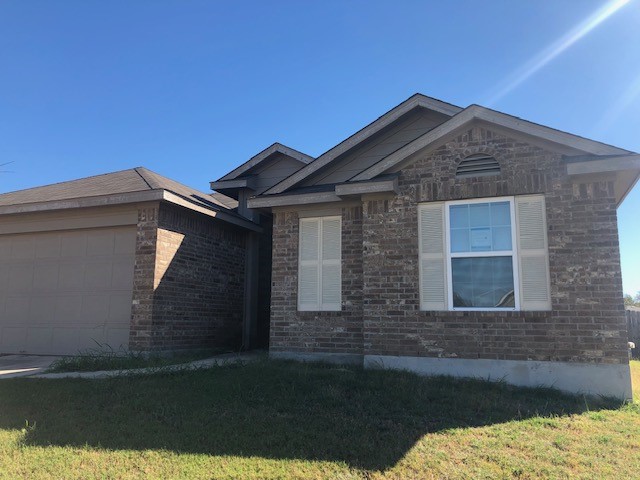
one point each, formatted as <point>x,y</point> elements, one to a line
<point>556,48</point>
<point>626,99</point>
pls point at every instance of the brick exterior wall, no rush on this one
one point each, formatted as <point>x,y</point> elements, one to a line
<point>315,332</point>
<point>586,324</point>
<point>188,281</point>
<point>140,335</point>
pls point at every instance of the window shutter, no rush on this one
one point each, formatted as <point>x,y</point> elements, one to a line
<point>320,267</point>
<point>433,282</point>
<point>309,266</point>
<point>331,280</point>
<point>533,253</point>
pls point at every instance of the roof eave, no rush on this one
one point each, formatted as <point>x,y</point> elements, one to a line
<point>338,193</point>
<point>128,198</point>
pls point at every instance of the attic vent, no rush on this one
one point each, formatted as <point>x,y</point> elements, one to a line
<point>478,165</point>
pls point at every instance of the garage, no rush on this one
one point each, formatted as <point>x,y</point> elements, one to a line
<point>65,291</point>
<point>128,260</point>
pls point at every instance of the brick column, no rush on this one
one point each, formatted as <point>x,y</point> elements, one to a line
<point>140,335</point>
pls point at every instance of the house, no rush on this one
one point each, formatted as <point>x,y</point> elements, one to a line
<point>436,239</point>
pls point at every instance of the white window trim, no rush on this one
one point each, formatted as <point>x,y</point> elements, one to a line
<point>320,307</point>
<point>513,253</point>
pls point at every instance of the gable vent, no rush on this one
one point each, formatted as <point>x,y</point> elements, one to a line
<point>478,165</point>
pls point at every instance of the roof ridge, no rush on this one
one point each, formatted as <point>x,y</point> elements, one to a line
<point>137,170</point>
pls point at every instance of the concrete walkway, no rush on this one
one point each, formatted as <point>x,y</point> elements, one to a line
<point>12,366</point>
<point>219,360</point>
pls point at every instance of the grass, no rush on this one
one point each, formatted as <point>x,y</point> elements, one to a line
<point>108,359</point>
<point>272,419</point>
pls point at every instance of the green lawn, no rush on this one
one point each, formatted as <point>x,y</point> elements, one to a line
<point>287,420</point>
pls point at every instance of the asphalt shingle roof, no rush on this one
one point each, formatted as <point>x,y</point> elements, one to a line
<point>125,181</point>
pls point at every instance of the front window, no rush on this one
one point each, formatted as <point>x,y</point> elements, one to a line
<point>481,255</point>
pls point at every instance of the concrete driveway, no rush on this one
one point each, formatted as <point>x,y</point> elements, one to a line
<point>23,365</point>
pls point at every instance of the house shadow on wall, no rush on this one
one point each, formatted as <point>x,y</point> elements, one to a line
<point>269,409</point>
<point>200,282</point>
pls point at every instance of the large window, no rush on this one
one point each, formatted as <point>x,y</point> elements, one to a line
<point>484,254</point>
<point>481,252</point>
<point>320,265</point>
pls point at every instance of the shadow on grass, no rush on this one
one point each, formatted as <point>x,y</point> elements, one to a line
<point>280,410</point>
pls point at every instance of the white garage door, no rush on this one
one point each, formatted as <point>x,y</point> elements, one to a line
<point>63,292</point>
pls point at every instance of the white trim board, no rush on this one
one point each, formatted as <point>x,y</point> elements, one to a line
<point>613,380</point>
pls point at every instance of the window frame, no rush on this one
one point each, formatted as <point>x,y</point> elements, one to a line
<point>321,307</point>
<point>513,253</point>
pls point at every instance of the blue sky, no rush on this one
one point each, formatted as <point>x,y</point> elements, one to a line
<point>191,88</point>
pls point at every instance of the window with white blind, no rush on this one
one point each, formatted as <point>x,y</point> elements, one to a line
<point>320,264</point>
<point>484,254</point>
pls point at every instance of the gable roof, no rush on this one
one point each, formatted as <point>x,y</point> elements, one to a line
<point>254,161</point>
<point>580,148</point>
<point>415,101</point>
<point>126,186</point>
<point>477,112</point>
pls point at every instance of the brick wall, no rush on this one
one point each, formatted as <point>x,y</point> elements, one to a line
<point>196,273</point>
<point>586,323</point>
<point>140,335</point>
<point>315,332</point>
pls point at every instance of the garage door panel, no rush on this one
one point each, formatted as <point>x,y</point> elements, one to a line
<point>39,338</point>
<point>47,246</point>
<point>21,276</point>
<point>4,277</point>
<point>13,339</point>
<point>97,275</point>
<point>120,307</point>
<point>66,340</point>
<point>100,242</point>
<point>41,309</point>
<point>95,308</point>
<point>17,309</point>
<point>125,242</point>
<point>5,247</point>
<point>71,276</point>
<point>73,244</point>
<point>45,277</point>
<point>68,309</point>
<point>118,337</point>
<point>122,274</point>
<point>64,292</point>
<point>93,338</point>
<point>23,247</point>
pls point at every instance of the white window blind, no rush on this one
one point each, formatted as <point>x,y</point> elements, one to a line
<point>320,264</point>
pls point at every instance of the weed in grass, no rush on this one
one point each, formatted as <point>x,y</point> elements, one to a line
<point>106,358</point>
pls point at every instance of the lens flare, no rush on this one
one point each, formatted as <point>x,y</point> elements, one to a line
<point>556,48</point>
<point>628,97</point>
